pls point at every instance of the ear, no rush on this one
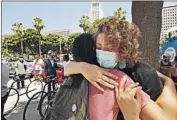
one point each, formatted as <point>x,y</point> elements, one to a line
<point>117,57</point>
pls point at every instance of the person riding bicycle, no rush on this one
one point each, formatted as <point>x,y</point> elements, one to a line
<point>50,68</point>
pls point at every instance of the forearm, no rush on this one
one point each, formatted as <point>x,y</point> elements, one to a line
<point>133,118</point>
<point>73,68</point>
<point>147,113</point>
<point>163,100</point>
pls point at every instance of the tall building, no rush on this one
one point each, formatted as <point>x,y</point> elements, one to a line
<point>96,11</point>
<point>169,20</point>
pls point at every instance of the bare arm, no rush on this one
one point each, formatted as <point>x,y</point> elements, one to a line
<point>153,112</point>
<point>94,74</point>
<point>73,68</point>
<point>168,98</point>
<point>165,106</point>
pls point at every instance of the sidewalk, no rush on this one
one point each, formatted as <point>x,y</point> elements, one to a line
<point>17,113</point>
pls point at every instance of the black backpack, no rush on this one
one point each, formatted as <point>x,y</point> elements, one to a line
<point>71,100</point>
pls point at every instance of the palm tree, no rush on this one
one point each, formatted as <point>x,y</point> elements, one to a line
<point>39,25</point>
<point>120,13</point>
<point>84,23</point>
<point>147,15</point>
<point>18,29</point>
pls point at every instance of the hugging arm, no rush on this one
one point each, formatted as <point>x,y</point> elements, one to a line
<point>163,109</point>
<point>94,74</point>
<point>168,98</point>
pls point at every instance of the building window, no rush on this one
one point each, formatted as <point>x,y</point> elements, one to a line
<point>95,4</point>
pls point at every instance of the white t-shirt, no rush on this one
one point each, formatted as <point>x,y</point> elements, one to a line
<point>39,62</point>
<point>38,67</point>
<point>64,65</point>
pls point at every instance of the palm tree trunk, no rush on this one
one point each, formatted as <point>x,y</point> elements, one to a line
<point>6,47</point>
<point>39,47</point>
<point>22,47</point>
<point>148,16</point>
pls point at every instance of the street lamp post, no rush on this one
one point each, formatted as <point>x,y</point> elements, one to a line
<point>40,47</point>
<point>21,47</point>
<point>60,50</point>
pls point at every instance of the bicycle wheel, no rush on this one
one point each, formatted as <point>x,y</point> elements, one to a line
<point>32,106</point>
<point>12,101</point>
<point>45,102</point>
<point>34,87</point>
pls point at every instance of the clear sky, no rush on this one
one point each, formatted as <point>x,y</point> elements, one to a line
<point>56,15</point>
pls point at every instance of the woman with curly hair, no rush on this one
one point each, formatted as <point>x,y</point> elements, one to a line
<point>117,47</point>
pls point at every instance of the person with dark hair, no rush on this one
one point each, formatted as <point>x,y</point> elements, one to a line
<point>66,58</point>
<point>50,68</point>
<point>165,65</point>
<point>71,100</point>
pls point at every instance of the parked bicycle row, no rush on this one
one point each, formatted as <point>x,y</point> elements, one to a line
<point>37,90</point>
<point>42,84</point>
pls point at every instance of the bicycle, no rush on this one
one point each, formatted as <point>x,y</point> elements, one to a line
<point>13,97</point>
<point>42,98</point>
<point>36,84</point>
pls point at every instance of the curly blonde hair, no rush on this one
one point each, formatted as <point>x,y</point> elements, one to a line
<point>122,36</point>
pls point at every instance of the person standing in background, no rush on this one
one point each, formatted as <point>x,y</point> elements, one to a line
<point>50,68</point>
<point>165,65</point>
<point>4,89</point>
<point>38,63</point>
<point>65,60</point>
<point>20,69</point>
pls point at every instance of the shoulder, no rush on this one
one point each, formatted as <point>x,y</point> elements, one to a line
<point>144,69</point>
<point>41,60</point>
<point>148,78</point>
<point>119,73</point>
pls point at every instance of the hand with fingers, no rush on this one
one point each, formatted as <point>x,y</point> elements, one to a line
<point>98,76</point>
<point>129,100</point>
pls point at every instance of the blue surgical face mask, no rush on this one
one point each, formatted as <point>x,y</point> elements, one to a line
<point>106,59</point>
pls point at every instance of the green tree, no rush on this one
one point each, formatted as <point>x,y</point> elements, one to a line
<point>31,38</point>
<point>166,36</point>
<point>94,26</point>
<point>69,42</point>
<point>84,23</point>
<point>162,43</point>
<point>120,13</point>
<point>18,29</point>
<point>147,15</point>
<point>12,43</point>
<point>53,42</point>
<point>39,25</point>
